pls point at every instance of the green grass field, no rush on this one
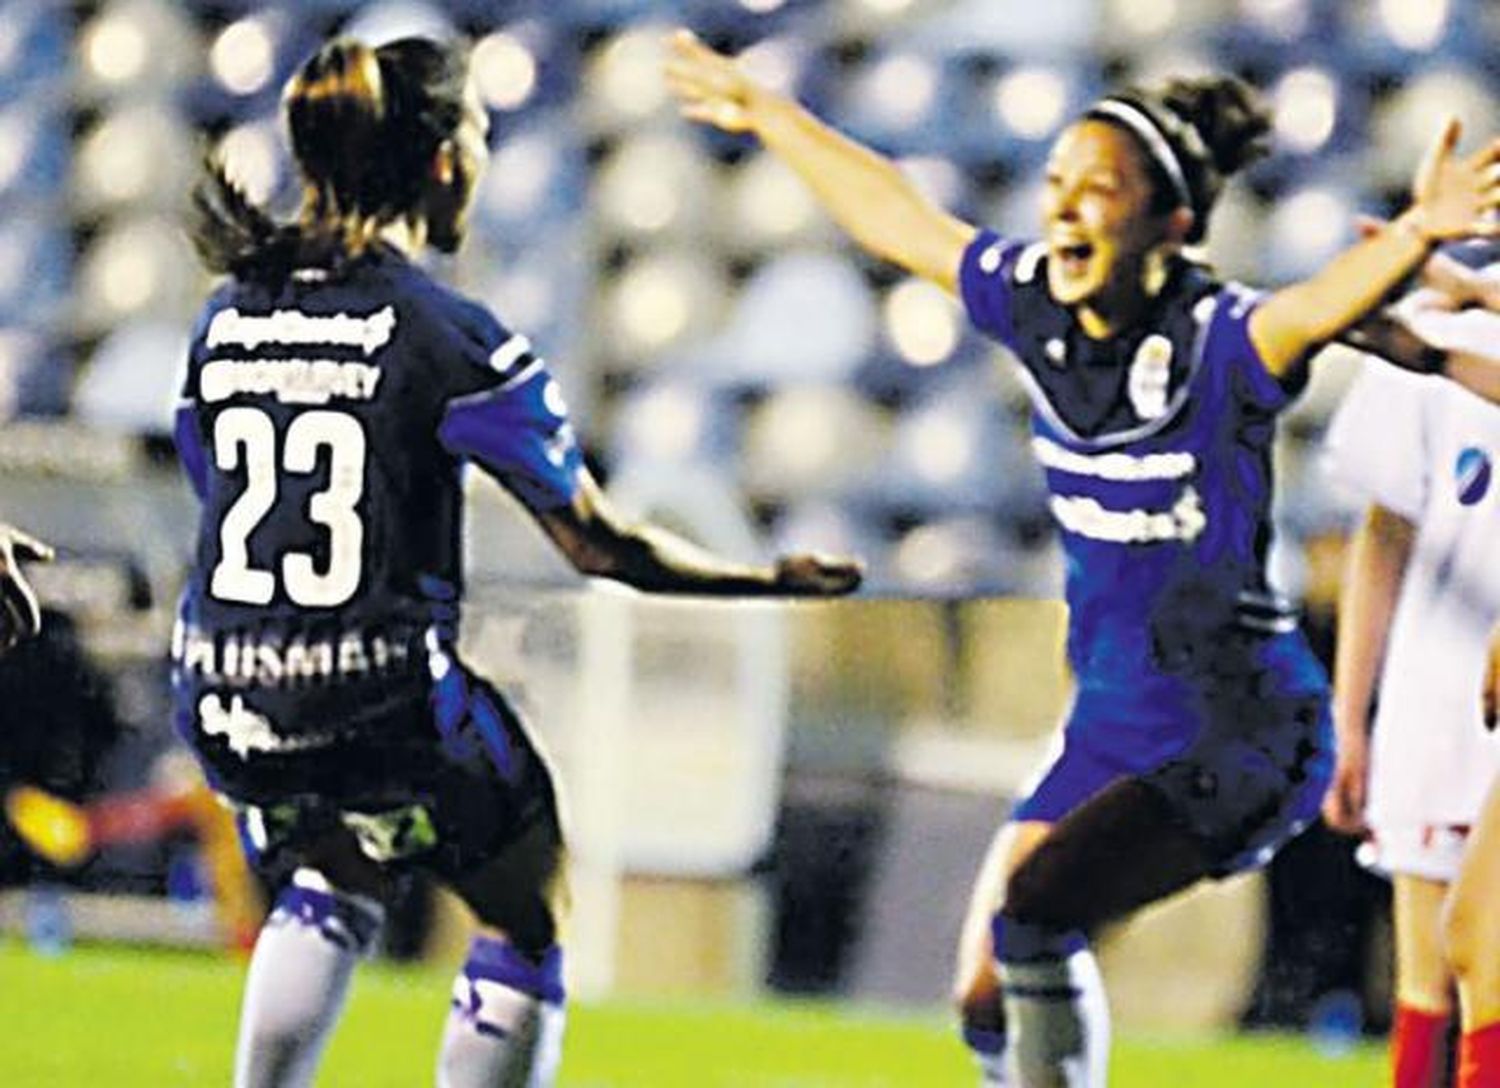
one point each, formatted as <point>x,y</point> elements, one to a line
<point>126,1018</point>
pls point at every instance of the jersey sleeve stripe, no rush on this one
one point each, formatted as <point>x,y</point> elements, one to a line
<point>510,354</point>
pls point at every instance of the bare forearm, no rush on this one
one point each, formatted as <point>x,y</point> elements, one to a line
<point>1300,318</point>
<point>653,559</point>
<point>1479,374</point>
<point>1461,344</point>
<point>865,193</point>
<point>1377,560</point>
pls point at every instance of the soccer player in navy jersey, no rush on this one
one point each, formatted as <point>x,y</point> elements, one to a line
<point>334,391</point>
<point>1199,738</point>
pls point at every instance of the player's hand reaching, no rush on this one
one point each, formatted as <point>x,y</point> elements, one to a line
<point>1455,196</point>
<point>812,575</point>
<point>710,86</point>
<point>1344,804</point>
<point>20,615</point>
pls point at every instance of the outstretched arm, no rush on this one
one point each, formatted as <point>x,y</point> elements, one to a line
<point>597,542</point>
<point>864,192</point>
<point>1378,554</point>
<point>1433,336</point>
<point>1451,198</point>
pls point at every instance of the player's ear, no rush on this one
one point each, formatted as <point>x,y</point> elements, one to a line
<point>1179,225</point>
<point>445,163</point>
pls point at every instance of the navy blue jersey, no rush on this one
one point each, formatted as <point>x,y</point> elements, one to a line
<point>1156,447</point>
<point>324,425</point>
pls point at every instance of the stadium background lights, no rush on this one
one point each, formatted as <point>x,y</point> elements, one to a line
<point>243,56</point>
<point>1416,25</point>
<point>527,298</point>
<point>1306,104</point>
<point>769,204</point>
<point>941,443</point>
<point>18,133</point>
<point>823,526</point>
<point>942,556</point>
<point>1406,121</point>
<point>140,153</point>
<point>898,90</point>
<point>937,177</point>
<point>1145,18</point>
<point>664,423</point>
<point>661,297</point>
<point>504,70</point>
<point>138,45</point>
<point>809,441</point>
<point>1030,101</point>
<point>886,9</point>
<point>776,62</point>
<point>651,182</point>
<point>921,321</point>
<point>1309,225</point>
<point>625,83</point>
<point>1277,18</point>
<point>115,46</point>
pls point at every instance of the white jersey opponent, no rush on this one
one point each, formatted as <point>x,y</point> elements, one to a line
<point>1426,449</point>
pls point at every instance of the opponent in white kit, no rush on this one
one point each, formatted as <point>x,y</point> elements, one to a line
<point>1421,599</point>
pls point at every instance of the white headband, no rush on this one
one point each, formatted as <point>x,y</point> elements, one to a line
<point>1145,127</point>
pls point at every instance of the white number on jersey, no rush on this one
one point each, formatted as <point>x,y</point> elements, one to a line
<point>247,436</point>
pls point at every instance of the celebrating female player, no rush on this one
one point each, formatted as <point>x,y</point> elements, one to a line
<point>1199,738</point>
<point>334,391</point>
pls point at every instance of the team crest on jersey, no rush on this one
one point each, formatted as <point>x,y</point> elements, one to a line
<point>1150,375</point>
<point>1473,471</point>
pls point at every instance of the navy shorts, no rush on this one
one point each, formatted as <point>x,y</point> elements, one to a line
<point>1243,759</point>
<point>433,769</point>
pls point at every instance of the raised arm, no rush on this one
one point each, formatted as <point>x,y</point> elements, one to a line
<point>1451,198</point>
<point>1428,334</point>
<point>598,542</point>
<point>865,193</point>
<point>1378,554</point>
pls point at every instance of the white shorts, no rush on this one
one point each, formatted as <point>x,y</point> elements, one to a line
<point>1432,852</point>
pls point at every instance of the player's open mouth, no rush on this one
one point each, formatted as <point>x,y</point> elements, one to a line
<point>1073,258</point>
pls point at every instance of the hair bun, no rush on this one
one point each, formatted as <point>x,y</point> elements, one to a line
<point>1228,114</point>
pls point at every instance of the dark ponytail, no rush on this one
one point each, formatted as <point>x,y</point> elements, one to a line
<point>365,126</point>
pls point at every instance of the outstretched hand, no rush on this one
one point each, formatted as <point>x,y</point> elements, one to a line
<point>710,86</point>
<point>1456,196</point>
<point>811,575</point>
<point>20,615</point>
